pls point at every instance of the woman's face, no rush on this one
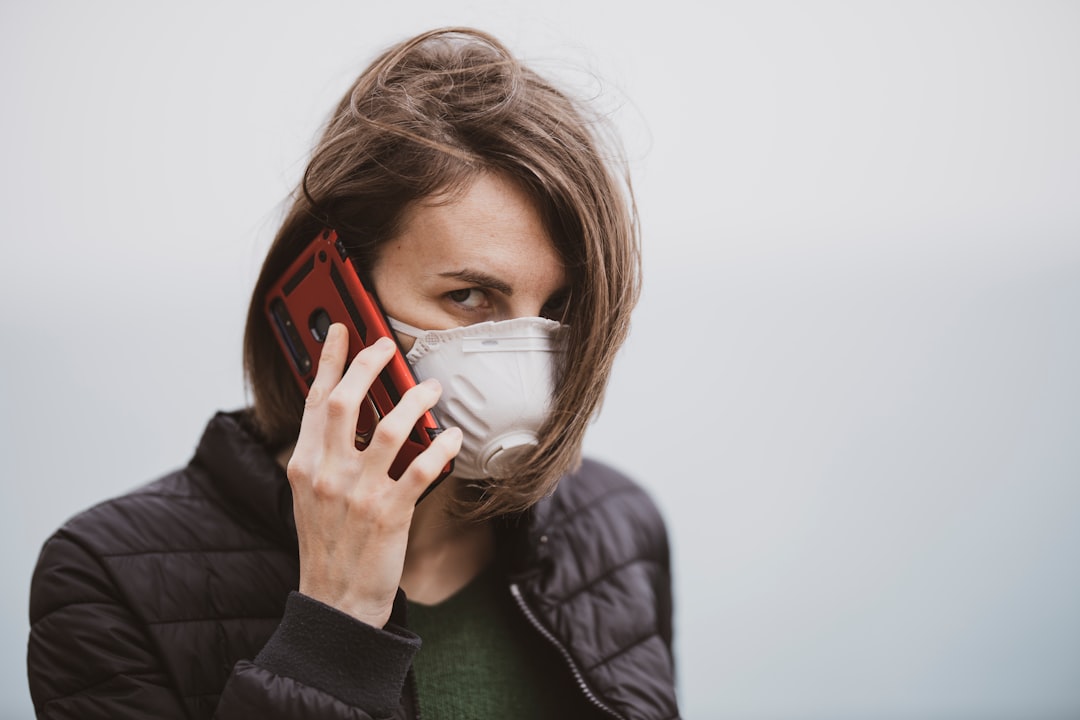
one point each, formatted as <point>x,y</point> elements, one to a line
<point>484,255</point>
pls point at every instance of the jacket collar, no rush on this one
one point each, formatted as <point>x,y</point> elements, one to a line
<point>244,470</point>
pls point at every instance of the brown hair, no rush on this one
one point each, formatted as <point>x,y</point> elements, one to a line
<point>428,116</point>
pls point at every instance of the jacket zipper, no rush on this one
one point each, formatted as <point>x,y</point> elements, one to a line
<point>589,695</point>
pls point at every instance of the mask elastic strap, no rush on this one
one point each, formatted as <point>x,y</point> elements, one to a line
<point>401,327</point>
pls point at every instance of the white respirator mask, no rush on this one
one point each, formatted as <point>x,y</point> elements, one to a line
<point>498,379</point>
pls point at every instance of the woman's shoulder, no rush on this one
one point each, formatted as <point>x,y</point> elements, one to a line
<point>155,516</point>
<point>595,482</point>
<point>134,587</point>
<point>187,511</point>
<point>168,548</point>
<point>602,502</point>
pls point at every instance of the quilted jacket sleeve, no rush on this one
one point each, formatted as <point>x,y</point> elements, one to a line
<point>89,656</point>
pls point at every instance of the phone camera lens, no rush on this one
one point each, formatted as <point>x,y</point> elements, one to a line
<point>319,324</point>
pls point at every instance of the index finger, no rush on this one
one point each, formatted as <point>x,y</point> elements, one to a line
<point>327,374</point>
<point>343,406</point>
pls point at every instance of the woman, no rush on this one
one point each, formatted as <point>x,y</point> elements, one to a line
<point>283,573</point>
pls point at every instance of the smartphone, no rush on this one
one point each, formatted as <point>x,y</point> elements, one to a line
<point>320,288</point>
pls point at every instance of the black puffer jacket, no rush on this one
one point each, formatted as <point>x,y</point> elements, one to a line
<point>176,601</point>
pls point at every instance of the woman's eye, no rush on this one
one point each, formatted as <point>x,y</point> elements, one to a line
<point>470,298</point>
<point>555,308</point>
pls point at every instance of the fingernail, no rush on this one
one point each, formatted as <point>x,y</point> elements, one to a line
<point>433,384</point>
<point>384,343</point>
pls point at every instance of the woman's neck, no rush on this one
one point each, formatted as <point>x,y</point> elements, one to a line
<point>445,552</point>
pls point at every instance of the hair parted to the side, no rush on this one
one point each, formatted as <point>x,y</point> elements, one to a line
<point>426,117</point>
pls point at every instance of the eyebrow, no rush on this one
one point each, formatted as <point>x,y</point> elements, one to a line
<point>475,277</point>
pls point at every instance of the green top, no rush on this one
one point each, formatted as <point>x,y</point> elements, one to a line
<point>481,659</point>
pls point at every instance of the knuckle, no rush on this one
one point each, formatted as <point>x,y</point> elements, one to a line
<point>388,432</point>
<point>422,469</point>
<point>323,485</point>
<point>297,470</point>
<point>337,405</point>
<point>365,361</point>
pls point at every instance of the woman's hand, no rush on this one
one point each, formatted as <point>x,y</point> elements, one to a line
<point>352,518</point>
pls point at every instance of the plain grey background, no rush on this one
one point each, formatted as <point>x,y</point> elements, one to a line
<point>852,381</point>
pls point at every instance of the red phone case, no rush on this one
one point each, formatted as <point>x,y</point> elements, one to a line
<point>322,287</point>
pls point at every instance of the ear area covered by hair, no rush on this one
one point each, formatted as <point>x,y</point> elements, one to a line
<point>426,118</point>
